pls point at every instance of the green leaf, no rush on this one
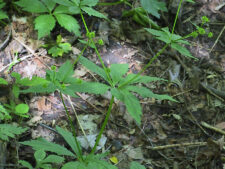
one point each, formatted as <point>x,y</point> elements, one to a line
<point>65,72</point>
<point>50,4</point>
<point>74,165</point>
<point>3,81</point>
<point>9,130</point>
<point>33,82</point>
<point>3,15</point>
<point>68,137</point>
<point>41,89</point>
<point>66,47</point>
<point>161,35</point>
<point>4,114</point>
<point>145,92</point>
<point>25,164</point>
<point>93,67</point>
<point>92,12</point>
<point>53,159</point>
<point>69,23</point>
<point>48,146</point>
<point>89,3</point>
<point>153,6</point>
<point>64,2</point>
<point>117,71</point>
<point>66,10</point>
<point>22,109</point>
<point>90,87</point>
<point>182,50</point>
<point>55,51</point>
<point>44,24</point>
<point>39,155</point>
<point>136,165</point>
<point>34,6</point>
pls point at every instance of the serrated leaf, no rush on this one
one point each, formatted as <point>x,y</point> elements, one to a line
<point>8,130</point>
<point>92,12</point>
<point>4,114</point>
<point>161,35</point>
<point>89,3</point>
<point>69,91</point>
<point>136,165</point>
<point>25,164</point>
<point>34,6</point>
<point>39,155</point>
<point>66,10</point>
<point>33,82</point>
<point>50,4</point>
<point>3,81</point>
<point>90,87</point>
<point>66,47</point>
<point>65,72</point>
<point>44,24</point>
<point>182,50</point>
<point>153,6</point>
<point>145,92</point>
<point>48,146</point>
<point>68,137</point>
<point>50,88</point>
<point>64,2</point>
<point>74,9</point>
<point>55,51</point>
<point>69,23</point>
<point>117,71</point>
<point>53,159</point>
<point>74,165</point>
<point>93,67</point>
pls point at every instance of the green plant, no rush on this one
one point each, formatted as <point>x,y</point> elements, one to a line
<point>3,15</point>
<point>42,161</point>
<point>9,130</point>
<point>58,48</point>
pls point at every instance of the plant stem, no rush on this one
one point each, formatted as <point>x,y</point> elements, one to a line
<point>146,66</point>
<point>175,21</point>
<point>79,156</point>
<point>78,57</point>
<point>103,125</point>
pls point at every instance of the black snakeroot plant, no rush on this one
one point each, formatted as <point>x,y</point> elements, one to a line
<point>120,84</point>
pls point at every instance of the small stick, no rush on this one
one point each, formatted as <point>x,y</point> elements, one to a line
<point>221,32</point>
<point>204,124</point>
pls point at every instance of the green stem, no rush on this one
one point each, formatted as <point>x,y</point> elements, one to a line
<point>175,21</point>
<point>146,66</point>
<point>79,156</point>
<point>78,57</point>
<point>103,125</point>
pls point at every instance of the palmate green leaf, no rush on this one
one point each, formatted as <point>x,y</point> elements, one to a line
<point>182,50</point>
<point>33,82</point>
<point>160,35</point>
<point>89,3</point>
<point>117,71</point>
<point>50,88</point>
<point>74,165</point>
<point>64,2</point>
<point>66,10</point>
<point>132,103</point>
<point>145,92</point>
<point>50,4</point>
<point>91,12</point>
<point>34,6</point>
<point>89,87</point>
<point>69,23</point>
<point>65,72</point>
<point>153,6</point>
<point>53,159</point>
<point>93,67</point>
<point>44,24</point>
<point>48,146</point>
<point>136,165</point>
<point>55,51</point>
<point>66,47</point>
<point>68,137</point>
<point>68,91</point>
<point>9,130</point>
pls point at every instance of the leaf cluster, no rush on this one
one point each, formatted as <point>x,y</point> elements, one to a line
<point>9,130</point>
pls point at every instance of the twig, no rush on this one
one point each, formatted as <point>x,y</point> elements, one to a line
<point>178,145</point>
<point>221,32</point>
<point>6,41</point>
<point>204,124</point>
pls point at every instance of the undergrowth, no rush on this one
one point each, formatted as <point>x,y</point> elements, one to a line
<point>115,79</point>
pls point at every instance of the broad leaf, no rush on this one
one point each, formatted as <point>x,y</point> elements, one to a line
<point>22,109</point>
<point>117,71</point>
<point>65,72</point>
<point>48,146</point>
<point>39,155</point>
<point>153,6</point>
<point>161,35</point>
<point>74,165</point>
<point>92,12</point>
<point>69,23</point>
<point>93,67</point>
<point>3,81</point>
<point>182,50</point>
<point>44,24</point>
<point>66,10</point>
<point>53,159</point>
<point>89,3</point>
<point>3,15</point>
<point>33,82</point>
<point>26,164</point>
<point>50,4</point>
<point>50,88</point>
<point>64,2</point>
<point>34,6</point>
